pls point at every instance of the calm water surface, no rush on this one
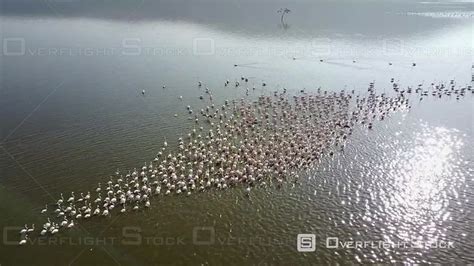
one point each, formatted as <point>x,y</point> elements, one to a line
<point>71,113</point>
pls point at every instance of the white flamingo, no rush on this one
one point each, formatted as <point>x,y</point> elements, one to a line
<point>45,209</point>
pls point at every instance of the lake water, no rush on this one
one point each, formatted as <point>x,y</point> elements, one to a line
<point>72,112</point>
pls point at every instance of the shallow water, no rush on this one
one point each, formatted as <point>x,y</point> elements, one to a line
<point>71,113</point>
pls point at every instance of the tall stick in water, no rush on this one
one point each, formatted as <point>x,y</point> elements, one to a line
<point>283,11</point>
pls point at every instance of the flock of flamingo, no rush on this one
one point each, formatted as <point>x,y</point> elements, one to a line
<point>270,140</point>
